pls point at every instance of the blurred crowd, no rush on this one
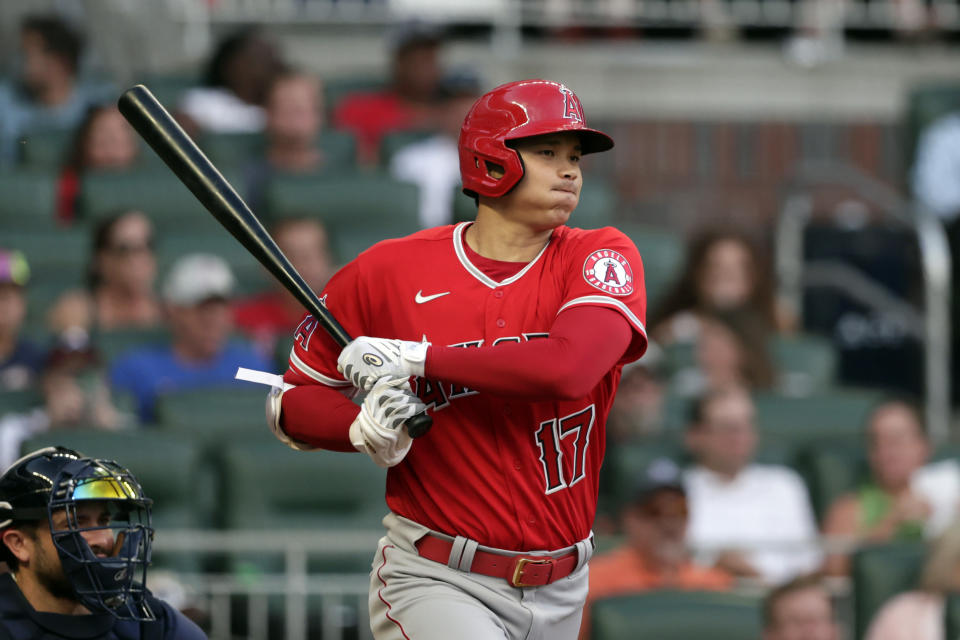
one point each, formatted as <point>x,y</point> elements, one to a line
<point>697,493</point>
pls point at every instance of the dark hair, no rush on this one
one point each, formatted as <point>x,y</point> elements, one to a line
<point>29,527</point>
<point>75,152</point>
<point>751,333</point>
<point>100,242</point>
<point>216,72</point>
<point>59,38</point>
<point>685,293</point>
<point>698,408</point>
<point>800,583</point>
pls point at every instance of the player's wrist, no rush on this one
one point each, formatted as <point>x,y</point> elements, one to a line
<point>414,357</point>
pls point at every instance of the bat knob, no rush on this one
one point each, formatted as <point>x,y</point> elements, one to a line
<point>418,425</point>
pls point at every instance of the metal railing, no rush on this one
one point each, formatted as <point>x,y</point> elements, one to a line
<point>338,600</point>
<point>931,326</point>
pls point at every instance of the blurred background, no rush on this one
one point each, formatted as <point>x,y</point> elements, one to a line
<point>782,463</point>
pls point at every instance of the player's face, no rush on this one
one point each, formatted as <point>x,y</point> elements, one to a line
<point>803,615</point>
<point>550,188</point>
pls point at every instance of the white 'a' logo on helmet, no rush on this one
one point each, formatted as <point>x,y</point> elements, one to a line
<point>571,106</point>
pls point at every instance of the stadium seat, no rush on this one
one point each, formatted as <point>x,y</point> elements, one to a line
<point>46,150</point>
<point>270,486</point>
<point>879,573</point>
<point>397,140</point>
<point>623,464</point>
<point>27,202</point>
<point>676,615</point>
<point>19,401</point>
<point>156,192</point>
<point>952,615</point>
<point>831,471</point>
<point>235,149</point>
<point>662,252</point>
<point>214,411</point>
<point>335,89</point>
<point>167,466</point>
<point>169,87</point>
<point>805,363</point>
<point>116,342</point>
<point>358,210</point>
<point>833,415</point>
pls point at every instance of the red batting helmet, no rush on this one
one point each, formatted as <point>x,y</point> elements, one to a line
<point>517,110</point>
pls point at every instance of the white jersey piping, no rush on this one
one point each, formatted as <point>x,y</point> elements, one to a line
<point>477,273</point>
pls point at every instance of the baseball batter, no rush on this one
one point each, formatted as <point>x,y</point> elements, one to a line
<point>514,329</point>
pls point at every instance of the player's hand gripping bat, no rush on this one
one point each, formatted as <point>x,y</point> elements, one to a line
<point>155,125</point>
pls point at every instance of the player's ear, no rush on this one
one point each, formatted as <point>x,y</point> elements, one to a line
<point>18,543</point>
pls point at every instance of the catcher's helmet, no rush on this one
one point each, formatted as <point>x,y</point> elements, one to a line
<point>511,111</point>
<point>56,479</point>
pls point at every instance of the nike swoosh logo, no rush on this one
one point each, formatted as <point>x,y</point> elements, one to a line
<point>420,298</point>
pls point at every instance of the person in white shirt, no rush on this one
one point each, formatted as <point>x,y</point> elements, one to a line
<point>751,519</point>
<point>433,164</point>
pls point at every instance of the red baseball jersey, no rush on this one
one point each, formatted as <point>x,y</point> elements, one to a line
<point>509,474</point>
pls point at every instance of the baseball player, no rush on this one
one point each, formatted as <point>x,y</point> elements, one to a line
<point>75,533</point>
<point>514,328</point>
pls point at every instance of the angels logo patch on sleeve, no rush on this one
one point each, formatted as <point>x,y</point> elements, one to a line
<point>609,271</point>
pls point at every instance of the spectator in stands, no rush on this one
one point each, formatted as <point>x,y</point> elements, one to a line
<point>919,614</point>
<point>724,270</point>
<point>433,164</point>
<point>104,141</point>
<point>75,395</point>
<point>754,520</point>
<point>120,280</point>
<point>20,359</point>
<point>294,120</point>
<point>197,293</point>
<point>637,410</point>
<point>409,102</point>
<point>899,501</point>
<point>654,554</point>
<point>800,610</point>
<point>731,349</point>
<point>234,94</point>
<point>267,317</point>
<point>48,94</point>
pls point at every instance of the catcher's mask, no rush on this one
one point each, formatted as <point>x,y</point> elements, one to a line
<point>83,495</point>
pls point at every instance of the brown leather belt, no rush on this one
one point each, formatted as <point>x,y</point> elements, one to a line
<point>519,570</point>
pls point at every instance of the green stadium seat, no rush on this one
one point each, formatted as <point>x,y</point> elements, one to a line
<point>662,252</point>
<point>834,415</point>
<point>397,140</point>
<point>358,210</point>
<point>805,363</point>
<point>622,466</point>
<point>46,150</point>
<point>952,616</point>
<point>167,466</point>
<point>116,342</point>
<point>270,486</point>
<point>28,202</point>
<point>831,471</point>
<point>676,615</point>
<point>169,87</point>
<point>156,192</point>
<point>19,401</point>
<point>335,89</point>
<point>55,256</point>
<point>879,573</point>
<point>209,413</point>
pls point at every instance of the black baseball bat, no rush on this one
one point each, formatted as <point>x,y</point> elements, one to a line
<point>155,125</point>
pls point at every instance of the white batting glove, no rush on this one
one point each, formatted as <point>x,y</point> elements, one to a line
<point>378,429</point>
<point>366,359</point>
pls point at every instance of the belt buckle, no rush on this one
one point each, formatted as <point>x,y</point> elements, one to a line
<point>521,565</point>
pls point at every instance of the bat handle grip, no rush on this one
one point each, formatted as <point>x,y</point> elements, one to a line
<point>418,425</point>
